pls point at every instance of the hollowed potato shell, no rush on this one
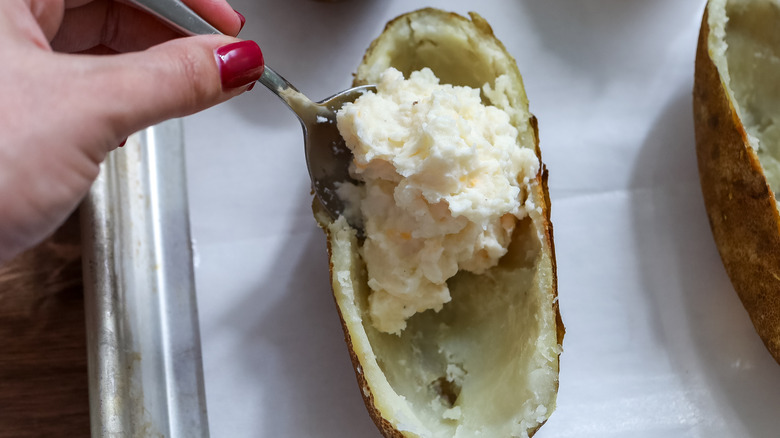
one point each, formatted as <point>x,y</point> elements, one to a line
<point>736,103</point>
<point>488,362</point>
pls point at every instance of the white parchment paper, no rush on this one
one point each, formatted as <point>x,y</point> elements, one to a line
<point>657,342</point>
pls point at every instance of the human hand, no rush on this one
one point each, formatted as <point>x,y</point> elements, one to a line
<point>63,108</point>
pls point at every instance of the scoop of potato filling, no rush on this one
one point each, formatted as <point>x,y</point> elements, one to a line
<point>443,187</point>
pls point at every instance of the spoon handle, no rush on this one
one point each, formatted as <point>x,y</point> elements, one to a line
<point>183,19</point>
<point>177,15</point>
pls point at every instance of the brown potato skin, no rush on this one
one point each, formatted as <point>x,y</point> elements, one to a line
<point>385,427</point>
<point>548,235</point>
<point>741,207</point>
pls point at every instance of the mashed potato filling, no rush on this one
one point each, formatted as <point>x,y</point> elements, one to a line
<point>443,187</point>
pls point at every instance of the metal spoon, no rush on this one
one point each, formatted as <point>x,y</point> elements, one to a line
<point>327,157</point>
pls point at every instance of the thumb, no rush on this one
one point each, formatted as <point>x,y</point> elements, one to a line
<point>173,79</point>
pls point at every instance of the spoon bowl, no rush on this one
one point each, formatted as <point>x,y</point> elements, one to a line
<point>327,156</point>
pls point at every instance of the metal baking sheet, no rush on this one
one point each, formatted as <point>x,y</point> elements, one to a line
<point>145,369</point>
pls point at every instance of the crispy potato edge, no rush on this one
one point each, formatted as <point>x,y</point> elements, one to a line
<point>384,426</point>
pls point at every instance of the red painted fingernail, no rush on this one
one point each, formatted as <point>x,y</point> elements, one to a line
<point>122,143</point>
<point>239,64</point>
<point>242,18</point>
<point>252,85</point>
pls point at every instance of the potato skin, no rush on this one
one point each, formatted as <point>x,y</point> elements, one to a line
<point>387,430</point>
<point>740,205</point>
<point>541,197</point>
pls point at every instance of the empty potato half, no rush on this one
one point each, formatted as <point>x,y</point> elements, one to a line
<point>486,364</point>
<point>737,119</point>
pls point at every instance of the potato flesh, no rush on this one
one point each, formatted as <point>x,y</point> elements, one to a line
<point>488,362</point>
<point>494,341</point>
<point>753,61</point>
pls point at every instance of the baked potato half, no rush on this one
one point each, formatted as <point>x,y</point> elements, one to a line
<point>487,363</point>
<point>736,102</point>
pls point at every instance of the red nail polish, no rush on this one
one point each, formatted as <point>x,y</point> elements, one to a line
<point>239,64</point>
<point>242,18</point>
<point>252,85</point>
<point>122,143</point>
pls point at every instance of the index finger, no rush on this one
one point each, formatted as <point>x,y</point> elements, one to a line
<point>124,28</point>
